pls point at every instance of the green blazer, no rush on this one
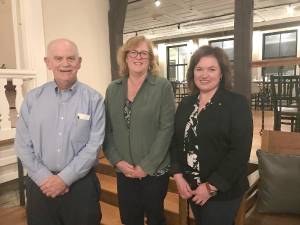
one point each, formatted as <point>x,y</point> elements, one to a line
<point>146,142</point>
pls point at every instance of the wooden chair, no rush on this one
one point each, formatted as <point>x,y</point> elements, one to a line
<point>186,216</point>
<point>255,95</point>
<point>21,181</point>
<point>286,101</point>
<point>180,90</point>
<point>274,142</point>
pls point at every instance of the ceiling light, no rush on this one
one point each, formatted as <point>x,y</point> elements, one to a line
<point>290,10</point>
<point>157,3</point>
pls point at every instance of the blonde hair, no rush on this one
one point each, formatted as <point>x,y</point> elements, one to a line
<point>129,45</point>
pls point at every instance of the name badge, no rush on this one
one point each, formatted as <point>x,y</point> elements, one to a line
<point>83,116</point>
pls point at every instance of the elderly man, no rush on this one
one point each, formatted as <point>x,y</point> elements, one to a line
<point>59,132</point>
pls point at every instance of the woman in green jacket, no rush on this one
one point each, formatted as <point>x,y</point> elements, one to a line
<point>140,112</point>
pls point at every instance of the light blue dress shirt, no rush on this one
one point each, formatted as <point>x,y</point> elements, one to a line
<point>60,131</point>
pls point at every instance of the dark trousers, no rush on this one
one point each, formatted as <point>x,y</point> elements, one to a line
<point>80,206</point>
<point>138,198</point>
<point>216,212</point>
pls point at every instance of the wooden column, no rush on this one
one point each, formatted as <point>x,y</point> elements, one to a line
<point>243,25</point>
<point>116,20</point>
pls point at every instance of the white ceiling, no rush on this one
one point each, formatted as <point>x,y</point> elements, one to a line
<point>198,16</point>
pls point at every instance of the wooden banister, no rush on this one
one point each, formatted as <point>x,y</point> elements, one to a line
<point>276,62</point>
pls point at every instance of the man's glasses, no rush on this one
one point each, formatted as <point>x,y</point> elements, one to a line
<point>134,54</point>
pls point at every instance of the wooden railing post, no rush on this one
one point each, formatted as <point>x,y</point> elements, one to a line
<point>19,95</point>
<point>183,211</point>
<point>5,123</point>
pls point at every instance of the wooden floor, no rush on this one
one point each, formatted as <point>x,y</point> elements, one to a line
<point>11,214</point>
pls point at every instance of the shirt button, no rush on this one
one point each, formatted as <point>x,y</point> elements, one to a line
<point>61,117</point>
<point>58,150</point>
<point>59,133</point>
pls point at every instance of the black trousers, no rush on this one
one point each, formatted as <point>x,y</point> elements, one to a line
<point>216,212</point>
<point>80,206</point>
<point>138,198</point>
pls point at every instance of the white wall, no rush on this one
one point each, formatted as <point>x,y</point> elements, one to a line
<point>257,46</point>
<point>7,46</point>
<point>86,23</point>
<point>203,41</point>
<point>162,59</point>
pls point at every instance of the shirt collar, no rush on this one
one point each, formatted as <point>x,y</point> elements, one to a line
<point>73,88</point>
<point>217,97</point>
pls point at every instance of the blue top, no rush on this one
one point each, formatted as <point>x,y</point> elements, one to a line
<point>61,131</point>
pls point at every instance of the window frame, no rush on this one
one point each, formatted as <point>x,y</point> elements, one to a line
<point>280,33</point>
<point>279,68</point>
<point>184,65</point>
<point>223,40</point>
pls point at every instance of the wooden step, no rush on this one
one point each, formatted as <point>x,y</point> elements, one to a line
<point>7,134</point>
<point>109,196</point>
<point>8,140</point>
<point>104,167</point>
<point>109,193</point>
<point>7,149</point>
<point>8,160</point>
<point>110,214</point>
<point>8,172</point>
<point>108,189</point>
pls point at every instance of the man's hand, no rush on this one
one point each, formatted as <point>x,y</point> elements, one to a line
<point>54,186</point>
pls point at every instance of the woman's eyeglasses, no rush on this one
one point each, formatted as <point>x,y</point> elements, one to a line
<point>134,54</point>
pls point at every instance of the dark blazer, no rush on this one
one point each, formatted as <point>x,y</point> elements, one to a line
<point>225,131</point>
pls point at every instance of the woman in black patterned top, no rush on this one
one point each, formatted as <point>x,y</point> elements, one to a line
<point>212,140</point>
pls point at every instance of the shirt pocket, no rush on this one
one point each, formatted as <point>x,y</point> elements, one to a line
<point>81,131</point>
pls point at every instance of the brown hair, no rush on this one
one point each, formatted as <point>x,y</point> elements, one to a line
<point>129,45</point>
<point>223,62</point>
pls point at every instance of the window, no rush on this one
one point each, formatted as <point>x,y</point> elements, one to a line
<point>279,45</point>
<point>226,44</point>
<point>176,62</point>
<point>279,70</point>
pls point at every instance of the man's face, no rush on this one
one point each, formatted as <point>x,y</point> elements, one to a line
<point>64,62</point>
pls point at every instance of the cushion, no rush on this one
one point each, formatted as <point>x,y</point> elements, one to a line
<point>279,185</point>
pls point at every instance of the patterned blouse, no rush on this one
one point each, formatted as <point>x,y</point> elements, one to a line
<point>127,117</point>
<point>191,148</point>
